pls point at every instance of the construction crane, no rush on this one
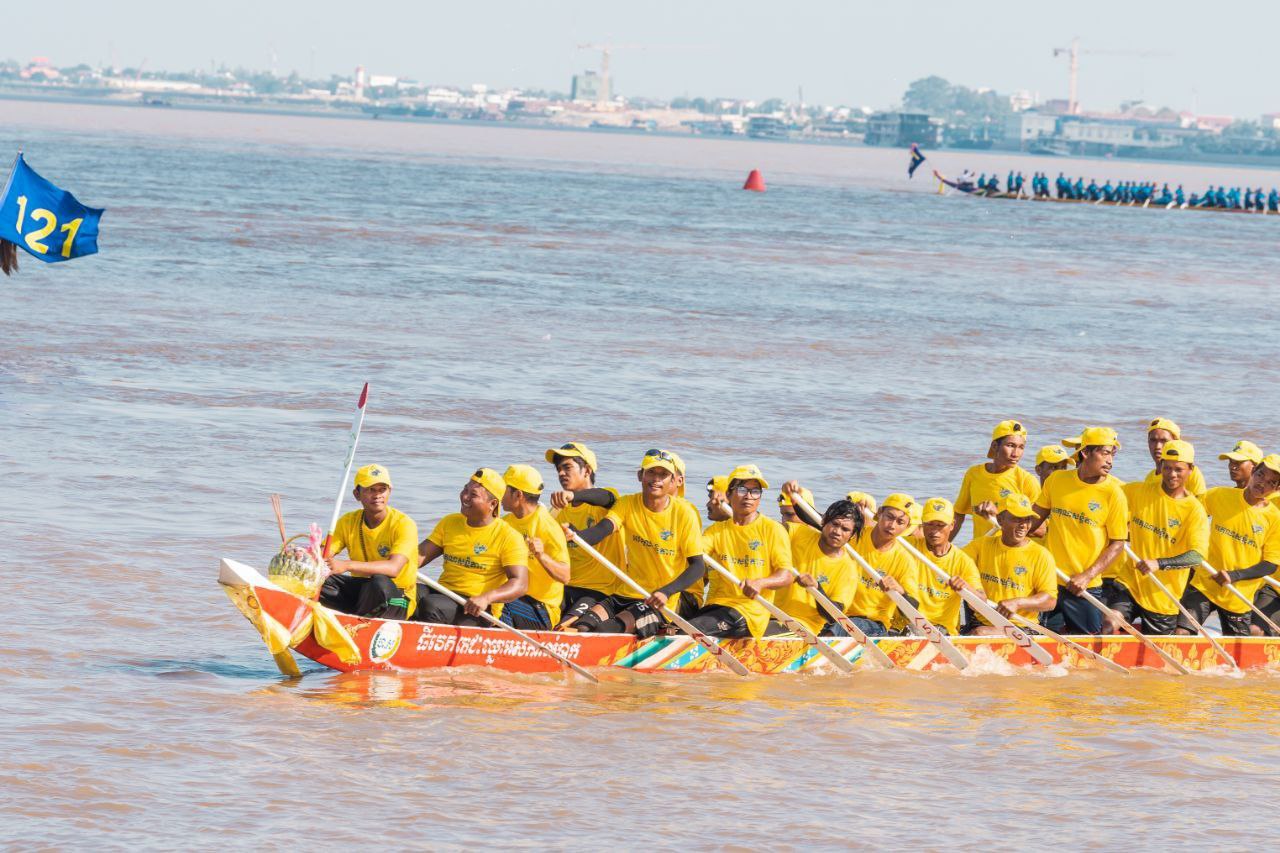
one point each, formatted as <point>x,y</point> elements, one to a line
<point>602,97</point>
<point>1073,102</point>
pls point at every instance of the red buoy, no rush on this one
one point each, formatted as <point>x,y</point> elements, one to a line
<point>755,183</point>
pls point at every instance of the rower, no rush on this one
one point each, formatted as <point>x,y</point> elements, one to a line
<point>1062,186</point>
<point>787,510</point>
<point>939,601</point>
<point>1160,431</point>
<point>1050,458</point>
<point>1180,196</point>
<point>1169,531</point>
<point>872,610</point>
<point>589,582</point>
<point>1017,575</point>
<point>717,499</point>
<point>1089,527</point>
<point>1241,460</point>
<point>756,550</point>
<point>485,559</point>
<point>549,569</point>
<point>820,558</point>
<point>987,482</point>
<point>381,583</point>
<point>1244,547</point>
<point>663,538</point>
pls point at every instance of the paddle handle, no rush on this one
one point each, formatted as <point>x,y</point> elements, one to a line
<point>849,626</point>
<point>498,623</point>
<point>1126,627</point>
<point>1186,614</point>
<point>357,421</point>
<point>708,643</point>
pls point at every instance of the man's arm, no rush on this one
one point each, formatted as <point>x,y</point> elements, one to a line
<point>390,567</point>
<point>1081,581</point>
<point>517,585</point>
<point>428,551</point>
<point>596,532</point>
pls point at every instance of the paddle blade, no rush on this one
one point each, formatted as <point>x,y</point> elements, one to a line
<point>364,396</point>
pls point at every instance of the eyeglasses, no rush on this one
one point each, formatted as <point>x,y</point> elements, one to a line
<point>748,491</point>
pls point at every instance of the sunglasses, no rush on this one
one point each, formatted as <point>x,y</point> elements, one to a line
<point>659,454</point>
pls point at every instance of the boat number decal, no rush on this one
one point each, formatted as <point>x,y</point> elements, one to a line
<point>385,642</point>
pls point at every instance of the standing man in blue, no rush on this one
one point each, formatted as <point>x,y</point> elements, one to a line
<point>1179,196</point>
<point>1062,185</point>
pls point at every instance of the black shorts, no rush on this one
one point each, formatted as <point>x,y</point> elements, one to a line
<point>649,622</point>
<point>376,596</point>
<point>577,601</point>
<point>1268,601</point>
<point>1152,623</point>
<point>719,620</point>
<point>1110,592</point>
<point>1233,624</point>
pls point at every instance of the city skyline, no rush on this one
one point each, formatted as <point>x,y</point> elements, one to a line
<point>837,53</point>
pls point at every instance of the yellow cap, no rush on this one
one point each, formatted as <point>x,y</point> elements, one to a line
<point>901,501</point>
<point>1165,424</point>
<point>370,474</point>
<point>916,514</point>
<point>679,462</point>
<point>657,458</point>
<point>1053,454</point>
<point>1272,461</point>
<point>1073,442</point>
<point>1018,505</point>
<point>861,498</point>
<point>573,448</point>
<point>718,484</point>
<point>1178,451</point>
<point>1244,451</point>
<point>1099,437</point>
<point>1007,428</point>
<point>938,509</point>
<point>492,482</point>
<point>807,496</point>
<point>523,478</point>
<point>748,472</point>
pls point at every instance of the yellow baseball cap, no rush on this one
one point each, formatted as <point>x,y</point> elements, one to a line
<point>748,472</point>
<point>1165,424</point>
<point>1073,442</point>
<point>679,470</point>
<point>938,509</point>
<point>1053,454</point>
<point>861,498</point>
<point>1099,437</point>
<point>1244,451</point>
<point>657,458</point>
<point>805,495</point>
<point>1272,461</point>
<point>1018,505</point>
<point>1007,428</point>
<point>1178,451</point>
<point>523,478</point>
<point>718,484</point>
<point>492,482</point>
<point>573,448</point>
<point>370,474</point>
<point>901,501</point>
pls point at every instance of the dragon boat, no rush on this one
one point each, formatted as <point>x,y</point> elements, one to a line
<point>291,623</point>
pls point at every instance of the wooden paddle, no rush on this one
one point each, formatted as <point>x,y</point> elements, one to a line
<point>915,619</point>
<point>721,655</point>
<point>1186,614</point>
<point>1126,627</point>
<point>1084,650</point>
<point>357,422</point>
<point>498,623</point>
<point>1257,610</point>
<point>795,625</point>
<point>829,607</point>
<point>981,605</point>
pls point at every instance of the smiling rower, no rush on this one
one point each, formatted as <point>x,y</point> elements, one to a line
<point>539,608</point>
<point>1018,575</point>
<point>1160,431</point>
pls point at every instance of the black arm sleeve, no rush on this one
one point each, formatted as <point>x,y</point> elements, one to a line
<point>595,497</point>
<point>1261,570</point>
<point>596,532</point>
<point>694,570</point>
<point>912,600</point>
<point>1189,560</point>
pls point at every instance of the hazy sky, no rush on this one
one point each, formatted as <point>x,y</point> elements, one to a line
<point>1221,55</point>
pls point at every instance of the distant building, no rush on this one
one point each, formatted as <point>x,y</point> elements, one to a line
<point>1026,127</point>
<point>589,87</point>
<point>903,129</point>
<point>1271,121</point>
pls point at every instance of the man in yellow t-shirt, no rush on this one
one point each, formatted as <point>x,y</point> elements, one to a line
<point>663,537</point>
<point>1169,531</point>
<point>787,511</point>
<point>756,550</point>
<point>580,503</point>
<point>872,610</point>
<point>1018,575</point>
<point>485,560</point>
<point>1241,460</point>
<point>986,483</point>
<point>718,499</point>
<point>1244,548</point>
<point>819,556</point>
<point>940,602</point>
<point>1050,458</point>
<point>1088,529</point>
<point>539,608</point>
<point>1160,431</point>
<point>381,582</point>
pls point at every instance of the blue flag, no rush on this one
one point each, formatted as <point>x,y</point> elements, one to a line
<point>916,159</point>
<point>46,221</point>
